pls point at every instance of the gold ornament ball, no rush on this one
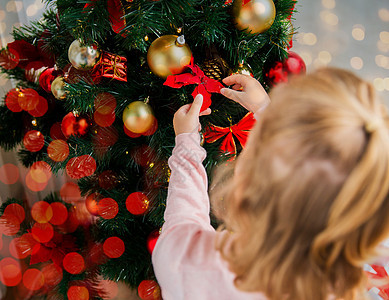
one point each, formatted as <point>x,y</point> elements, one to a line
<point>256,16</point>
<point>83,57</point>
<point>138,117</point>
<point>168,55</point>
<point>58,88</point>
<point>243,69</point>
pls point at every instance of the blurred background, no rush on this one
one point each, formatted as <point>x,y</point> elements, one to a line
<point>350,34</point>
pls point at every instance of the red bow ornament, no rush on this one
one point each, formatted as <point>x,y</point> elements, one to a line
<point>240,131</point>
<point>380,275</point>
<point>205,85</point>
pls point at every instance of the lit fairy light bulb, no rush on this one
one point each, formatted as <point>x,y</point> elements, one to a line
<point>358,32</point>
<point>356,63</point>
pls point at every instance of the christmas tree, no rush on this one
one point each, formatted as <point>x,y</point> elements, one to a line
<point>98,82</point>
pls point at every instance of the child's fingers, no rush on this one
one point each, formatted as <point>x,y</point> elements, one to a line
<point>237,79</point>
<point>231,94</point>
<point>196,105</point>
<point>183,109</point>
<point>206,112</point>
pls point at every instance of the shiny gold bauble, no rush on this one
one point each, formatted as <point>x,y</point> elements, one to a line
<point>168,55</point>
<point>83,57</point>
<point>138,117</point>
<point>58,88</point>
<point>256,16</point>
<point>243,69</point>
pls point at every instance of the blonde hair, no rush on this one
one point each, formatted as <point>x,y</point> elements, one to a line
<point>308,203</point>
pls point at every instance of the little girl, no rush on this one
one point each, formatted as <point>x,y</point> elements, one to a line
<point>307,204</point>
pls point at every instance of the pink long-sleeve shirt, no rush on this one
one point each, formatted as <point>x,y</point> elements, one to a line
<point>186,263</point>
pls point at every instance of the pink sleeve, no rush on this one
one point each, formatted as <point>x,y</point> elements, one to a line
<point>185,260</point>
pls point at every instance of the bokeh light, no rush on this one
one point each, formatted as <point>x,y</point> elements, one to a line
<point>41,212</point>
<point>60,213</point>
<point>356,63</point>
<point>329,4</point>
<point>52,274</point>
<point>10,272</point>
<point>70,192</point>
<point>33,279</point>
<point>383,13</point>
<point>33,141</point>
<point>42,232</point>
<point>9,173</point>
<point>114,247</point>
<point>78,293</point>
<point>74,263</point>
<point>137,203</point>
<point>329,17</point>
<point>358,32</point>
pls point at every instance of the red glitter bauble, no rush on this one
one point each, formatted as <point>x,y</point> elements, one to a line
<point>152,240</point>
<point>74,263</point>
<point>47,77</point>
<point>137,203</point>
<point>33,141</point>
<point>72,125</point>
<point>28,99</point>
<point>81,166</point>
<point>60,213</point>
<point>149,290</point>
<point>10,272</point>
<point>108,208</point>
<point>33,279</point>
<point>281,71</point>
<point>91,203</point>
<point>58,150</point>
<point>11,101</point>
<point>78,293</point>
<point>113,247</point>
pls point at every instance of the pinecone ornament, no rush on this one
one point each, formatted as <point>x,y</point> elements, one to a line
<point>216,68</point>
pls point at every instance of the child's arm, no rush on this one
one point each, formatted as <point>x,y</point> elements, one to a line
<point>247,91</point>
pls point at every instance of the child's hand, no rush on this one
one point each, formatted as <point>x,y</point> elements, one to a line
<point>252,95</point>
<point>186,119</point>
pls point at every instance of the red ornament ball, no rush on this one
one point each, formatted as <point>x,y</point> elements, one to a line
<point>108,208</point>
<point>72,125</point>
<point>114,247</point>
<point>74,263</point>
<point>152,240</point>
<point>91,203</point>
<point>281,71</point>
<point>81,166</point>
<point>33,141</point>
<point>137,203</point>
<point>149,290</point>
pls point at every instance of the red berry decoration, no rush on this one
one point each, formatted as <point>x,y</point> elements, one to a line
<point>281,71</point>
<point>149,290</point>
<point>72,125</point>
